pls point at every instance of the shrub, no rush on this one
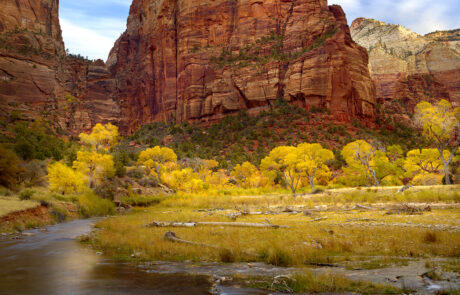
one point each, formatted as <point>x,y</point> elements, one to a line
<point>59,213</point>
<point>91,205</point>
<point>10,171</point>
<point>142,201</point>
<point>26,194</point>
<point>135,172</point>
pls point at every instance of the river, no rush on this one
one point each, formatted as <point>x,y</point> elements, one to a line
<point>53,262</point>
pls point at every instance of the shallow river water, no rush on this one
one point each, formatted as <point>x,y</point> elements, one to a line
<point>53,262</point>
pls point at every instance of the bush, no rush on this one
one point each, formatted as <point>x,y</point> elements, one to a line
<point>91,205</point>
<point>10,171</point>
<point>26,194</point>
<point>34,173</point>
<point>59,213</point>
<point>135,172</point>
<point>142,201</point>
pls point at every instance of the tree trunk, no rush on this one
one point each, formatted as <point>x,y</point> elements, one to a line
<point>447,172</point>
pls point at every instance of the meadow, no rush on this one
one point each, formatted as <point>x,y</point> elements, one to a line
<point>349,228</point>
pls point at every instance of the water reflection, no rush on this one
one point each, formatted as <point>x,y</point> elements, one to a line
<point>53,263</point>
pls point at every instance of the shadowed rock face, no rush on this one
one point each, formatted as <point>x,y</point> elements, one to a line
<point>181,60</point>
<point>408,68</point>
<point>199,60</point>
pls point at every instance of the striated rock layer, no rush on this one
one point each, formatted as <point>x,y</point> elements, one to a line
<point>37,78</point>
<point>198,60</point>
<point>184,61</point>
<point>408,68</point>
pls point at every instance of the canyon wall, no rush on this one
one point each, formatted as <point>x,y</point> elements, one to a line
<point>38,79</point>
<point>408,68</point>
<point>184,61</point>
<point>197,61</point>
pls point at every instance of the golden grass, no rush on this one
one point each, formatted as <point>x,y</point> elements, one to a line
<point>306,241</point>
<point>12,204</point>
<point>311,283</point>
<point>333,197</point>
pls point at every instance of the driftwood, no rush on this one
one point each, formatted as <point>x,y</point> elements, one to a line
<point>320,218</point>
<point>360,219</point>
<point>171,236</point>
<point>195,224</point>
<point>358,206</point>
<point>408,210</point>
<point>404,188</point>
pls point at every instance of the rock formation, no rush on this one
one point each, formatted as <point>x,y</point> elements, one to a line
<point>37,79</point>
<point>182,60</point>
<point>199,60</point>
<point>408,68</point>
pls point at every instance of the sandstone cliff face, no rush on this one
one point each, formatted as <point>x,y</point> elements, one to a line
<point>181,60</point>
<point>408,68</point>
<point>199,60</point>
<point>36,76</point>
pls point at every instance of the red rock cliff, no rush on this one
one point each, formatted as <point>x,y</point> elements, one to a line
<point>36,76</point>
<point>199,60</point>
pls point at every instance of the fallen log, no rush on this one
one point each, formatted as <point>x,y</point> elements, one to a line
<point>171,236</point>
<point>195,224</point>
<point>358,206</point>
<point>320,218</point>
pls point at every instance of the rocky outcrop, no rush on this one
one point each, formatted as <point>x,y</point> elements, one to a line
<point>38,80</point>
<point>408,68</point>
<point>200,60</point>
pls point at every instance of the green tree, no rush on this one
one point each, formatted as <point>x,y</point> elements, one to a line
<point>10,171</point>
<point>441,125</point>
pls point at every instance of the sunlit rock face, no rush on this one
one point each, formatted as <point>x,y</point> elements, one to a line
<point>408,68</point>
<point>199,60</point>
<point>36,77</point>
<point>184,61</point>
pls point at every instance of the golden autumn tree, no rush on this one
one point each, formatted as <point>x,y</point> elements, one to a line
<point>284,159</point>
<point>247,175</point>
<point>313,158</point>
<point>441,126</point>
<point>101,136</point>
<point>95,166</point>
<point>360,157</point>
<point>63,179</point>
<point>157,159</point>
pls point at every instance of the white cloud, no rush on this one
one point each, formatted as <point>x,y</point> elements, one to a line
<point>421,16</point>
<point>88,42</point>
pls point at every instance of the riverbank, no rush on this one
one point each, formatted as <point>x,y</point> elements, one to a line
<point>38,207</point>
<point>336,231</point>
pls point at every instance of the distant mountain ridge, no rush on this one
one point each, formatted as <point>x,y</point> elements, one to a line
<point>407,67</point>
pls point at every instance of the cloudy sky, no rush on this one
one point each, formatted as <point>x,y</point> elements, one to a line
<point>91,27</point>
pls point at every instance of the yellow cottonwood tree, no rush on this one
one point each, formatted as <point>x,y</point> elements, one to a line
<point>102,136</point>
<point>63,179</point>
<point>157,158</point>
<point>424,160</point>
<point>360,156</point>
<point>441,125</point>
<point>313,159</point>
<point>284,159</point>
<point>247,175</point>
<point>94,165</point>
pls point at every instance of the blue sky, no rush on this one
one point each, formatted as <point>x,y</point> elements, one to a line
<point>91,27</point>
